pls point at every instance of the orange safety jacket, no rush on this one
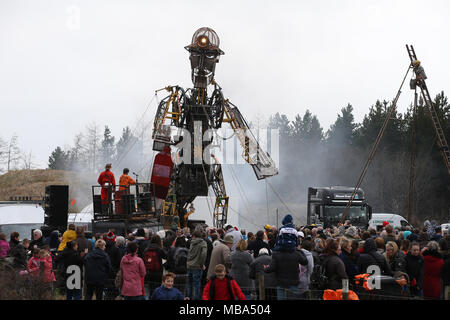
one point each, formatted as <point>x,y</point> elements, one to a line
<point>125,181</point>
<point>106,177</point>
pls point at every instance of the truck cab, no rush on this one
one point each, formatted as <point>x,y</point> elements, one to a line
<point>326,206</point>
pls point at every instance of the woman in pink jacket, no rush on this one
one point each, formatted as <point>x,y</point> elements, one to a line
<point>4,245</point>
<point>133,270</point>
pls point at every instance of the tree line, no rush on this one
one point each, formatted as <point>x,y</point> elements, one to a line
<point>310,156</point>
<point>92,149</point>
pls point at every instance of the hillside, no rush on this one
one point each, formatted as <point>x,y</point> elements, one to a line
<point>33,182</point>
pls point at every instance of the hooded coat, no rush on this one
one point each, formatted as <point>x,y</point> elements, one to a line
<point>432,274</point>
<point>287,239</point>
<point>334,270</point>
<point>97,267</point>
<point>197,254</point>
<point>370,257</point>
<point>67,236</point>
<point>236,237</point>
<point>257,267</point>
<point>133,270</point>
<point>240,269</point>
<point>285,265</point>
<point>4,248</point>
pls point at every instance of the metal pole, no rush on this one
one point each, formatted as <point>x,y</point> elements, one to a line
<point>261,286</point>
<point>277,219</point>
<point>413,158</point>
<point>344,289</point>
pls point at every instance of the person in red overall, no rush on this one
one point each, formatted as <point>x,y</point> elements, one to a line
<point>108,183</point>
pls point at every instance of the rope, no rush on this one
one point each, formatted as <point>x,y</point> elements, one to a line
<point>374,147</point>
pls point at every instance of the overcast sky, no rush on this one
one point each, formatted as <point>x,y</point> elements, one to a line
<point>65,64</point>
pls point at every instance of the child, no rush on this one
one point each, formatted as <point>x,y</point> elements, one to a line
<point>222,286</point>
<point>47,261</point>
<point>34,263</point>
<point>166,291</point>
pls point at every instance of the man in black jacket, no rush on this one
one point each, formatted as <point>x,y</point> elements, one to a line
<point>285,265</point>
<point>97,268</point>
<point>370,257</point>
<point>71,257</point>
<point>258,244</point>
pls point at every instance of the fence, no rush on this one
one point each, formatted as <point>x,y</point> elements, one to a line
<point>24,287</point>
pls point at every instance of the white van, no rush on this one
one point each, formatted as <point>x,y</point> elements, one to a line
<point>395,220</point>
<point>22,218</point>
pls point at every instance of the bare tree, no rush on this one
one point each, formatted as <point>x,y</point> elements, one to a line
<point>12,153</point>
<point>93,138</point>
<point>3,153</point>
<point>28,161</point>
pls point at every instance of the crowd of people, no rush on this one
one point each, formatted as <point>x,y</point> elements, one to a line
<point>208,263</point>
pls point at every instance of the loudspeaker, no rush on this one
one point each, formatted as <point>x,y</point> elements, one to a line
<point>56,206</point>
<point>97,203</point>
<point>128,204</point>
<point>145,202</point>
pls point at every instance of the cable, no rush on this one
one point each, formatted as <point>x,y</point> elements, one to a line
<point>374,147</point>
<point>243,217</point>
<point>279,197</point>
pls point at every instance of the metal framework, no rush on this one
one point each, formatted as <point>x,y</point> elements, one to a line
<point>186,109</point>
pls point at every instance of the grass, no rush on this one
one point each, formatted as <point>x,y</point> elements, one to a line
<point>23,183</point>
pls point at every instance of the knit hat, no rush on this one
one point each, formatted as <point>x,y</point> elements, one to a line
<point>287,219</point>
<point>267,227</point>
<point>111,236</point>
<point>385,223</point>
<point>228,238</point>
<point>351,232</point>
<point>406,234</point>
<point>301,234</point>
<point>263,251</point>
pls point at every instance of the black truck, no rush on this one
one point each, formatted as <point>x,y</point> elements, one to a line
<point>327,205</point>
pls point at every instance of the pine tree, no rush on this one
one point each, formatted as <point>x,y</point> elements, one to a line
<point>107,150</point>
<point>57,160</point>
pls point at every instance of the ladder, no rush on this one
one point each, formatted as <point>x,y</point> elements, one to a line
<point>442,142</point>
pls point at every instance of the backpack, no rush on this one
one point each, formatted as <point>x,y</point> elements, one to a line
<point>180,260</point>
<point>151,261</point>
<point>319,280</point>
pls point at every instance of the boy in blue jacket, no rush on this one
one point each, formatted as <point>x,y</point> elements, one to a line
<point>166,291</point>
